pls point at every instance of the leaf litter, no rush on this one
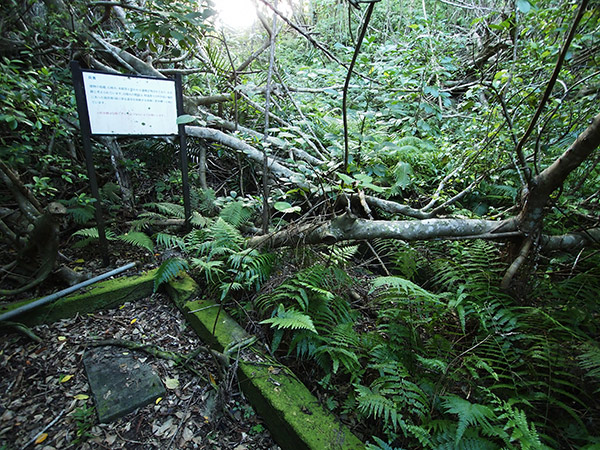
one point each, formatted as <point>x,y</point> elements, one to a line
<point>46,402</point>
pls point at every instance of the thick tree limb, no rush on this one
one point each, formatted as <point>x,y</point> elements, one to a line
<point>132,62</point>
<point>571,241</point>
<point>347,227</point>
<point>396,208</point>
<point>208,100</point>
<point>218,122</point>
<point>554,175</point>
<point>236,144</point>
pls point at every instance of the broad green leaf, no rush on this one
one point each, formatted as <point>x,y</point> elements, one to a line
<point>285,207</point>
<point>345,178</point>
<point>185,118</point>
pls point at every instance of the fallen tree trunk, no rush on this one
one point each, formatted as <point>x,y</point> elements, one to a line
<point>348,227</point>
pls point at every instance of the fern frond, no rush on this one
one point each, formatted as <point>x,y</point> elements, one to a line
<point>82,214</point>
<point>138,239</point>
<point>212,270</point>
<point>168,241</point>
<point>341,256</point>
<point>381,445</point>
<point>373,404</point>
<point>236,214</point>
<point>91,234</point>
<point>468,414</point>
<point>589,360</point>
<point>168,270</point>
<point>291,318</point>
<point>405,287</point>
<point>169,209</point>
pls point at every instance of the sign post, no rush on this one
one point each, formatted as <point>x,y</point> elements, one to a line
<point>126,105</point>
<point>183,153</point>
<point>84,125</point>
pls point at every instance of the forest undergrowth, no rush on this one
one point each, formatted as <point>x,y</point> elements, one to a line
<point>416,346</point>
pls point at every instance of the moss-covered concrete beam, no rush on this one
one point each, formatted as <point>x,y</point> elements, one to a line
<point>102,295</point>
<point>293,415</point>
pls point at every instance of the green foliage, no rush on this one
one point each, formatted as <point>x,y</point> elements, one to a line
<point>589,361</point>
<point>217,251</point>
<point>291,319</point>
<point>469,414</point>
<point>312,293</point>
<point>169,270</point>
<point>135,238</point>
<point>381,445</point>
<point>84,420</point>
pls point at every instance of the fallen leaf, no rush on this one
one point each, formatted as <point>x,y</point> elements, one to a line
<point>172,383</point>
<point>66,378</point>
<point>133,321</point>
<point>41,438</point>
<point>162,429</point>
<point>62,338</point>
<point>81,396</point>
<point>187,435</point>
<point>156,402</point>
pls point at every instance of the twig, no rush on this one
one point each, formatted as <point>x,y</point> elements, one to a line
<point>56,419</point>
<point>363,31</point>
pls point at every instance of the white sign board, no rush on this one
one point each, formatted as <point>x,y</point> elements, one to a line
<point>124,105</point>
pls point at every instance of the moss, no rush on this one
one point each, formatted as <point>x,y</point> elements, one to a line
<point>104,294</point>
<point>294,416</point>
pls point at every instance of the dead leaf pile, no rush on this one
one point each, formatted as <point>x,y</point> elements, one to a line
<point>46,403</point>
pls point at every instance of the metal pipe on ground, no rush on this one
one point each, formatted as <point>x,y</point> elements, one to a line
<point>59,294</point>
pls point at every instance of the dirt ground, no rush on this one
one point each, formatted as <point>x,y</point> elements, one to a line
<point>46,402</point>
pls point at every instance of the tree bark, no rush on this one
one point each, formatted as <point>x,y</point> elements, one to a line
<point>555,175</point>
<point>348,227</point>
<point>117,160</point>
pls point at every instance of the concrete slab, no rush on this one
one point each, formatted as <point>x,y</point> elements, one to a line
<point>119,382</point>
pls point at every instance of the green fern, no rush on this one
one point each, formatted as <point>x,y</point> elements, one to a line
<point>341,347</point>
<point>168,209</point>
<point>236,214</point>
<point>341,256</point>
<point>381,445</point>
<point>91,235</point>
<point>469,414</point>
<point>290,319</point>
<point>589,361</point>
<point>392,397</point>
<point>138,239</point>
<point>168,271</point>
<point>373,404</point>
<point>169,241</point>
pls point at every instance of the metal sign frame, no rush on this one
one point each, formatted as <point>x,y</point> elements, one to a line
<point>133,102</point>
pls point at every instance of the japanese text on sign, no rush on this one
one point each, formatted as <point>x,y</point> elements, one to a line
<point>121,105</point>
